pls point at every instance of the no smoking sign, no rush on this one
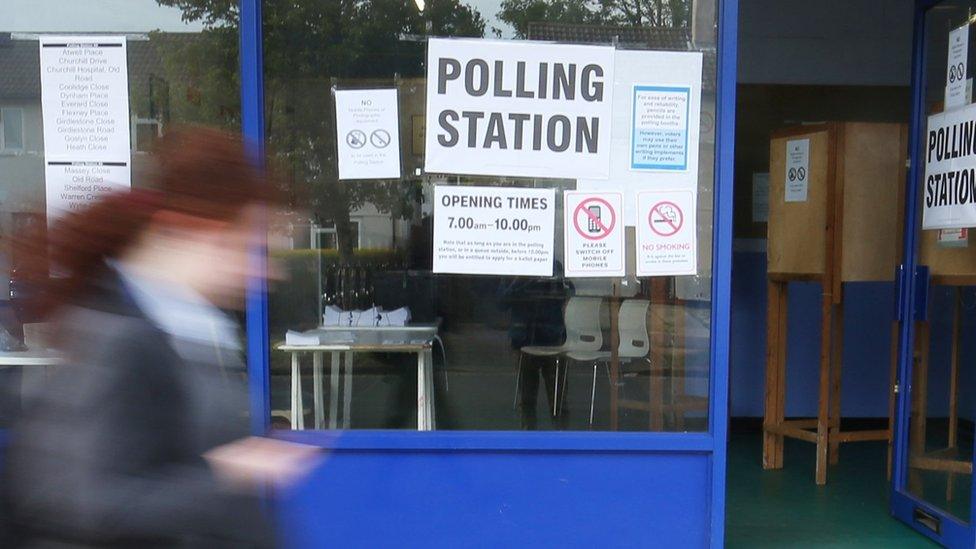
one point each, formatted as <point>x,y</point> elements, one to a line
<point>666,218</point>
<point>594,242</point>
<point>667,238</point>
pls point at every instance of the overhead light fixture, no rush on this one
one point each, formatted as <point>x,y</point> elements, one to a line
<point>420,5</point>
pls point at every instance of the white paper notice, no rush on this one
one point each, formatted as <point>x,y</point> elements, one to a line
<point>73,185</point>
<point>521,109</point>
<point>594,234</point>
<point>955,89</point>
<point>953,238</point>
<point>648,150</point>
<point>494,230</point>
<point>660,122</point>
<point>797,170</point>
<point>85,109</point>
<point>760,198</point>
<point>667,237</point>
<point>368,134</point>
<point>949,188</point>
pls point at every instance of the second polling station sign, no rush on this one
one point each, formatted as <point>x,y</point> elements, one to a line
<point>949,189</point>
<point>520,109</point>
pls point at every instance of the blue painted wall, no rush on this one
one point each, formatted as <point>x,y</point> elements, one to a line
<point>869,311</point>
<point>501,499</point>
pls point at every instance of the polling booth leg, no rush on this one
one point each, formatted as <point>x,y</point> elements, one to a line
<point>954,386</point>
<point>919,398</point>
<point>775,374</point>
<point>823,404</point>
<point>836,362</point>
<point>334,391</point>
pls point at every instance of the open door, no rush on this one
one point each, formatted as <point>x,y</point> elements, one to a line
<point>932,487</point>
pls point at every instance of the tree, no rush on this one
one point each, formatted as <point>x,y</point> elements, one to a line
<point>632,13</point>
<point>313,45</point>
<point>519,13</point>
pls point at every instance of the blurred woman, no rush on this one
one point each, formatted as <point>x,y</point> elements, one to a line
<point>140,438</point>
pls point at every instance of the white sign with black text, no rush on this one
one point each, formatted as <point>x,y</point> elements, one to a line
<point>494,230</point>
<point>593,234</point>
<point>85,110</point>
<point>659,119</point>
<point>955,89</point>
<point>368,134</point>
<point>797,170</point>
<point>949,190</point>
<point>520,109</point>
<point>667,237</point>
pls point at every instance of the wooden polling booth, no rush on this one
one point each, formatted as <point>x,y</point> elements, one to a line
<point>953,267</point>
<point>845,227</point>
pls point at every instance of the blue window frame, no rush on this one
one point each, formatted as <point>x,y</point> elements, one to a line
<point>367,445</point>
<point>912,306</point>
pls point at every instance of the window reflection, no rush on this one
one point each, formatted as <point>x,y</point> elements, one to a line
<point>505,352</point>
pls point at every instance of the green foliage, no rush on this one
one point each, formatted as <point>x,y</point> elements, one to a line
<point>311,46</point>
<point>637,13</point>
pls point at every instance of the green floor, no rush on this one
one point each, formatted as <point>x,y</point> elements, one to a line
<point>786,509</point>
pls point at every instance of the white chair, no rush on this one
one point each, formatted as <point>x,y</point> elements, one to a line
<point>634,342</point>
<point>583,334</point>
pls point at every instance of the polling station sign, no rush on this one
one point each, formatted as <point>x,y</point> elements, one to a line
<point>519,109</point>
<point>949,191</point>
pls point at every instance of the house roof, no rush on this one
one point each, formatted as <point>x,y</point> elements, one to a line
<point>649,38</point>
<point>20,75</point>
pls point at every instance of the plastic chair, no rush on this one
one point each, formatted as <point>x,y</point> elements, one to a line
<point>583,334</point>
<point>634,342</point>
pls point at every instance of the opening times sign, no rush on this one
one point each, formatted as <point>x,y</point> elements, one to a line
<point>85,108</point>
<point>494,230</point>
<point>520,109</point>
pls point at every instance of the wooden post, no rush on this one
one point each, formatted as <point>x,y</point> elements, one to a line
<point>954,383</point>
<point>660,359</point>
<point>920,394</point>
<point>823,400</point>
<point>836,362</point>
<point>775,374</point>
<point>678,354</point>
<point>615,358</point>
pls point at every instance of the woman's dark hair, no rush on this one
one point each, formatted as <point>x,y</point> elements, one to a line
<point>199,172</point>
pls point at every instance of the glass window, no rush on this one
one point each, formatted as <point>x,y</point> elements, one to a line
<point>12,122</point>
<point>179,69</point>
<point>541,351</point>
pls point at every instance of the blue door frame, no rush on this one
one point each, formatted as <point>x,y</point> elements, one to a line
<point>451,487</point>
<point>911,307</point>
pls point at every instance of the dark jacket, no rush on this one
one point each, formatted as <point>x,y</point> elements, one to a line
<point>108,452</point>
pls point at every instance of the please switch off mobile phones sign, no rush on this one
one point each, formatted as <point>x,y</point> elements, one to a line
<point>594,234</point>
